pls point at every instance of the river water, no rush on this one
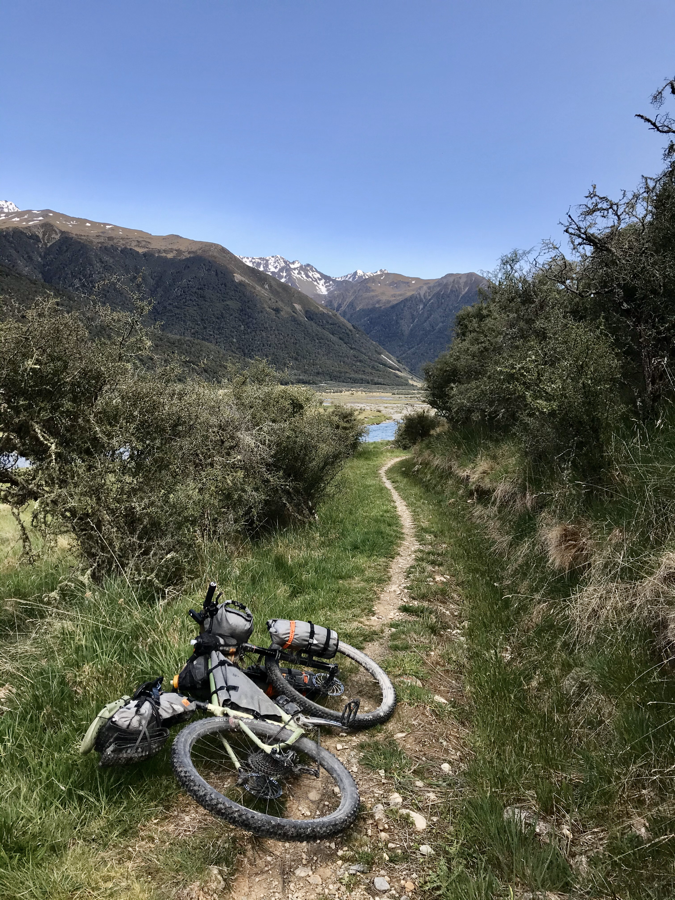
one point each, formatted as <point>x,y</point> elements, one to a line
<point>385,431</point>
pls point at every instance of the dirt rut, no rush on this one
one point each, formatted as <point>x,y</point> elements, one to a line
<point>267,870</point>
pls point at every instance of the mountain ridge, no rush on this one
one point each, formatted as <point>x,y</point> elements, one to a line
<point>304,276</point>
<point>410,317</point>
<point>201,292</point>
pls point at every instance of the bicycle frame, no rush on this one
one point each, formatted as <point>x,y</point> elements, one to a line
<point>295,722</point>
<point>295,659</point>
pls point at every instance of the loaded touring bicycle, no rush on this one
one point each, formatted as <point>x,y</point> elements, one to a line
<point>253,756</point>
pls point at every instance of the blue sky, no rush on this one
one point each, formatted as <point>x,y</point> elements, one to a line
<point>423,136</point>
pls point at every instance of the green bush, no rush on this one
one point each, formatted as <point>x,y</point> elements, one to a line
<point>524,362</point>
<point>144,470</point>
<point>414,427</point>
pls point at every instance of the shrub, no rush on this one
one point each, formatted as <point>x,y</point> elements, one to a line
<point>414,427</point>
<point>144,470</point>
<point>524,363</point>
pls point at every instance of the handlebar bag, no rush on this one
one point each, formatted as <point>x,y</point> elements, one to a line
<point>289,634</point>
<point>233,622</point>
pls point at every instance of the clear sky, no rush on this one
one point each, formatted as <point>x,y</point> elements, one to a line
<point>422,136</point>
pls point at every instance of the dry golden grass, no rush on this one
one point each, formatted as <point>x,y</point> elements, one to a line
<point>568,546</point>
<point>609,603</point>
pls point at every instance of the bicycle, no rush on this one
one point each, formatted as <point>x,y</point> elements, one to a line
<point>252,762</point>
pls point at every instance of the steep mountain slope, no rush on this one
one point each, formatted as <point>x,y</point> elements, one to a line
<point>303,276</point>
<point>411,317</point>
<point>194,357</point>
<point>201,292</point>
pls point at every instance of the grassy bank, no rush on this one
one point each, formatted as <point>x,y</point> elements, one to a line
<point>565,781</point>
<point>71,830</point>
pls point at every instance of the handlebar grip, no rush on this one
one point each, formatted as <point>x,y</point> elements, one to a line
<point>210,592</point>
<point>198,617</point>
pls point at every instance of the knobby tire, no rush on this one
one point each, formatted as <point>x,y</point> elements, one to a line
<point>283,829</point>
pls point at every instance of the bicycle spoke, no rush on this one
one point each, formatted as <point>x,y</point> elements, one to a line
<point>262,784</point>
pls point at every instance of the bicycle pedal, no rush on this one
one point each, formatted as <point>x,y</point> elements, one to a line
<point>349,713</point>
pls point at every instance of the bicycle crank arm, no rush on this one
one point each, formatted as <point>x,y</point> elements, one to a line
<point>347,717</point>
<point>317,722</point>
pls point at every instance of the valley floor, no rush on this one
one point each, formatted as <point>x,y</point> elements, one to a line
<point>375,406</point>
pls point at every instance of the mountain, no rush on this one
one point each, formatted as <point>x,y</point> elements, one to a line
<point>303,276</point>
<point>6,206</point>
<point>202,294</point>
<point>195,357</point>
<point>412,318</point>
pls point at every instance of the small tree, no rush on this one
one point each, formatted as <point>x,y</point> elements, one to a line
<point>143,469</point>
<point>415,427</point>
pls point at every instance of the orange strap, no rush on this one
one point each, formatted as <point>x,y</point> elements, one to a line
<point>290,639</point>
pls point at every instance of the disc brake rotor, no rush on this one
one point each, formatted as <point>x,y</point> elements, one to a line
<point>334,688</point>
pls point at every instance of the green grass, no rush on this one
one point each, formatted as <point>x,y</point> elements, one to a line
<point>68,647</point>
<point>583,735</point>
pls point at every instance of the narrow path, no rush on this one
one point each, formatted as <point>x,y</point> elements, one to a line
<point>390,598</point>
<point>267,870</point>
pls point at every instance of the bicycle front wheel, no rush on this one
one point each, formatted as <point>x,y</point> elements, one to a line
<point>359,677</point>
<point>301,794</point>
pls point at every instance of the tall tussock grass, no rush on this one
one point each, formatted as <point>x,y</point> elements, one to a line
<point>571,607</point>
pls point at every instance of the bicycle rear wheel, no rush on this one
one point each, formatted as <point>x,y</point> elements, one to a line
<point>304,794</point>
<point>360,677</point>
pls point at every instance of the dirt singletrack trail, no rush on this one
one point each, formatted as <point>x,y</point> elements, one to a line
<point>268,868</point>
<point>391,597</point>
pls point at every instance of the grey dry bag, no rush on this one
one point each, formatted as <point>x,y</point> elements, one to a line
<point>139,727</point>
<point>288,634</point>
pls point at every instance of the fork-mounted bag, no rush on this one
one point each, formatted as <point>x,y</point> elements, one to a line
<point>289,634</point>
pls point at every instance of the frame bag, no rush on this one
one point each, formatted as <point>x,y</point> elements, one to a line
<point>235,688</point>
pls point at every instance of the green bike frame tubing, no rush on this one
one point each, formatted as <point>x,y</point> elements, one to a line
<point>219,710</point>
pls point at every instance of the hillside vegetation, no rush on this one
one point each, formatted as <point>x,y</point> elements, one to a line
<point>555,456</point>
<point>141,469</point>
<point>200,292</point>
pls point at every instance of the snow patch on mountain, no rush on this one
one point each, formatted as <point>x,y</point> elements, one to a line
<point>304,276</point>
<point>6,206</point>
<point>359,275</point>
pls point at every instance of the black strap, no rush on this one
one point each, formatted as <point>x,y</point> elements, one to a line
<point>223,662</point>
<point>311,635</point>
<point>327,641</point>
